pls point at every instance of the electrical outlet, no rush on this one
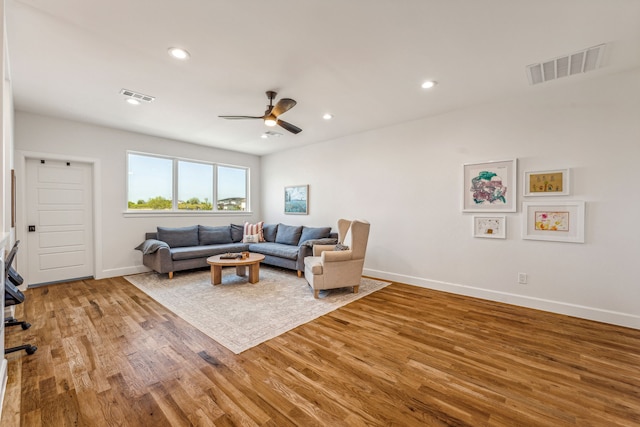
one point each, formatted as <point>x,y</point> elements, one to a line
<point>522,278</point>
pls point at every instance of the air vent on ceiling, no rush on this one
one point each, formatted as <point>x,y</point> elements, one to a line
<point>567,65</point>
<point>138,96</point>
<point>271,134</point>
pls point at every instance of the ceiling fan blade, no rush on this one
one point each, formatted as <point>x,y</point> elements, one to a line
<point>284,105</point>
<point>288,126</point>
<point>241,117</point>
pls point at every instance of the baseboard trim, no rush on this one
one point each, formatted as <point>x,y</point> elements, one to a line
<point>124,271</point>
<point>559,307</point>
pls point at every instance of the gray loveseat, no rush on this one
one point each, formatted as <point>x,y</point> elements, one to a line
<point>175,249</point>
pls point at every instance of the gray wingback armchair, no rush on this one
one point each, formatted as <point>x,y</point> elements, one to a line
<point>329,268</point>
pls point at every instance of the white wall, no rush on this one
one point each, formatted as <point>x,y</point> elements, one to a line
<point>406,180</point>
<point>116,233</point>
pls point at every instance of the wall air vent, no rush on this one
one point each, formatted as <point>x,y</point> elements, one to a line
<point>136,95</point>
<point>567,65</point>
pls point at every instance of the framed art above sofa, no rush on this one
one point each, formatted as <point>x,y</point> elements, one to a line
<point>296,200</point>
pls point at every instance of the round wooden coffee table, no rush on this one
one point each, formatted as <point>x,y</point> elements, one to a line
<point>253,262</point>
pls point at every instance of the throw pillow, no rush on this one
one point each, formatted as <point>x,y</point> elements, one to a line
<point>310,233</point>
<point>179,237</point>
<point>214,235</point>
<point>341,247</point>
<point>288,234</point>
<point>269,231</point>
<point>251,229</point>
<point>325,241</point>
<point>237,231</point>
<point>251,238</point>
<point>150,246</point>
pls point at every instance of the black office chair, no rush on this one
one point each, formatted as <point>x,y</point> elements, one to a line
<point>13,296</point>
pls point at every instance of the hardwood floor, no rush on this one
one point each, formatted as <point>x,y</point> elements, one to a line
<point>108,355</point>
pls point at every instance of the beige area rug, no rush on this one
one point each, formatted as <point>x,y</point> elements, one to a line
<point>240,315</point>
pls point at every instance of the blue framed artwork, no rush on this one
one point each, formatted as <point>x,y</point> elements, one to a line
<point>296,200</point>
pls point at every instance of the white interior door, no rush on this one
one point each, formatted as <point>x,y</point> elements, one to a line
<point>59,220</point>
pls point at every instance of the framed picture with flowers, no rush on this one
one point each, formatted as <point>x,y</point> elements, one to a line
<point>489,186</point>
<point>556,222</point>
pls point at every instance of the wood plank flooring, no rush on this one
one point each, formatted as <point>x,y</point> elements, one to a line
<point>108,355</point>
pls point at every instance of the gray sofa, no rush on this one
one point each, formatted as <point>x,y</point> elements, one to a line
<point>176,249</point>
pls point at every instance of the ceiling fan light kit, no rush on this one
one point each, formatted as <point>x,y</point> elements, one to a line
<point>272,114</point>
<point>270,120</point>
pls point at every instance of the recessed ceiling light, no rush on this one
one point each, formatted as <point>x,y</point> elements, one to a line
<point>133,101</point>
<point>327,116</point>
<point>179,53</point>
<point>429,84</point>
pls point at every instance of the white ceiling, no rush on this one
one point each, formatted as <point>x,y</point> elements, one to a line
<point>361,60</point>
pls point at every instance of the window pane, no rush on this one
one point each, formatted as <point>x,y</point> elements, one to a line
<point>232,189</point>
<point>150,183</point>
<point>195,186</point>
<point>169,184</point>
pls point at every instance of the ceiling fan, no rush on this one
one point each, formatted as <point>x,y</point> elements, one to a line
<point>273,112</point>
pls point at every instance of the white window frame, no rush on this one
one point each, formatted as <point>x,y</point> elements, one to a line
<point>175,178</point>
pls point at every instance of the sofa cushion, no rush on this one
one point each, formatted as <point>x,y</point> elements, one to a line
<point>150,246</point>
<point>288,234</point>
<point>310,233</point>
<point>275,249</point>
<point>178,254</point>
<point>214,235</point>
<point>179,237</point>
<point>237,231</point>
<point>251,229</point>
<point>269,231</point>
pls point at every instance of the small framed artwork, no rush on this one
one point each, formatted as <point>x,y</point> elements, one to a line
<point>296,200</point>
<point>489,186</point>
<point>491,227</point>
<point>556,222</point>
<point>547,183</point>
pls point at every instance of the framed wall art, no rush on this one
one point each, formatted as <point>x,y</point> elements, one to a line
<point>547,183</point>
<point>296,200</point>
<point>491,227</point>
<point>556,222</point>
<point>13,198</point>
<point>489,186</point>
